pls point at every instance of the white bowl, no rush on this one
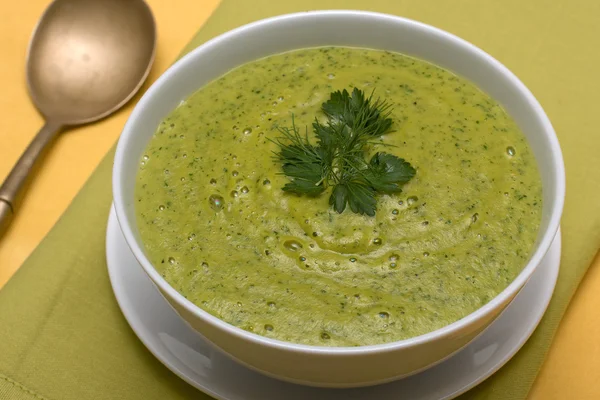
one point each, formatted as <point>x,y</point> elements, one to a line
<point>337,366</point>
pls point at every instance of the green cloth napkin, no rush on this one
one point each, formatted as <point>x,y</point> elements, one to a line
<point>62,335</point>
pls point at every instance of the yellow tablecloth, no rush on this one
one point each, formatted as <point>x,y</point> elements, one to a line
<point>571,370</point>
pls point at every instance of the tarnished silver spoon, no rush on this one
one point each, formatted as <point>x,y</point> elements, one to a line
<point>86,59</point>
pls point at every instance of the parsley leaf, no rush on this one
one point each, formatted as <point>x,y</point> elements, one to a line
<point>357,194</point>
<point>338,158</point>
<point>362,198</point>
<point>387,173</point>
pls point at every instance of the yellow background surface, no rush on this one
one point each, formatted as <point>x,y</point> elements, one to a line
<point>573,366</point>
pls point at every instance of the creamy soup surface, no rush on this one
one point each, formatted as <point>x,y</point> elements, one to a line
<point>217,225</point>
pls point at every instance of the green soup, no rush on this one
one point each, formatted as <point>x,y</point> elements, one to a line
<point>289,267</point>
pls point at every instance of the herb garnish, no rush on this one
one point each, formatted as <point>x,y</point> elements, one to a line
<point>339,157</point>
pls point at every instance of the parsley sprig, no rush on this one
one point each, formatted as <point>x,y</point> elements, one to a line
<point>338,159</point>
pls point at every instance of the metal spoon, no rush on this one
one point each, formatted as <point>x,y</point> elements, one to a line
<point>85,60</point>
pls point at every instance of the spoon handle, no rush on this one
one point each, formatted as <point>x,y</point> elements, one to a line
<point>18,175</point>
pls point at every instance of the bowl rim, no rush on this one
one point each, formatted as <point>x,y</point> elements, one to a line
<point>446,331</point>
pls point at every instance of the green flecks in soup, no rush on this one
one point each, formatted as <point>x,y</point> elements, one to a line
<point>218,227</point>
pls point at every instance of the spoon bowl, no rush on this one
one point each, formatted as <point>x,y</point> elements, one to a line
<point>85,60</point>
